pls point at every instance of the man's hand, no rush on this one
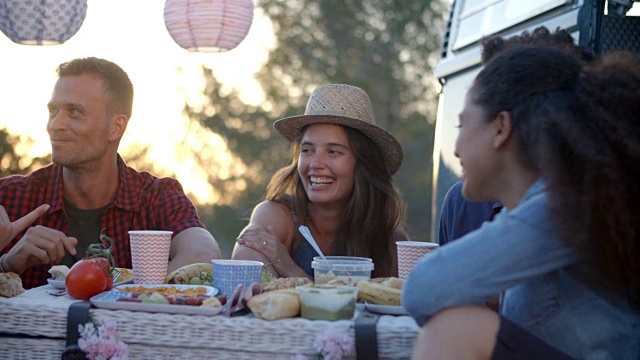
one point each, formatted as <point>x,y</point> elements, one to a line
<point>9,230</point>
<point>40,245</point>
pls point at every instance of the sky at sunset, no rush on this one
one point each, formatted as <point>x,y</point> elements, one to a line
<point>133,35</point>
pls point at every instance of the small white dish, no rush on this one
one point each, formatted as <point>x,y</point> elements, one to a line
<point>58,284</point>
<point>386,309</point>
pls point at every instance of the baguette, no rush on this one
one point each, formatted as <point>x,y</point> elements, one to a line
<point>379,294</point>
<point>275,305</point>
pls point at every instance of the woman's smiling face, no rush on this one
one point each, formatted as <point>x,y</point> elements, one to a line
<point>326,164</point>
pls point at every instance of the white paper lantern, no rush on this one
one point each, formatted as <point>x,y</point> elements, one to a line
<point>41,22</point>
<point>208,25</point>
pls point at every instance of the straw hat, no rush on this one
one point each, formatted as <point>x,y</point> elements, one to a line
<point>348,106</point>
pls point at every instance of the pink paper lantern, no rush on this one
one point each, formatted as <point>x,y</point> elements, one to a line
<point>208,25</point>
<point>41,22</point>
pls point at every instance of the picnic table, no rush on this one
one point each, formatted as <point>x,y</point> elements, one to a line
<point>34,326</point>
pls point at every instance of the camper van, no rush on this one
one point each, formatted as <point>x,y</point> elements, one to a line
<point>599,25</point>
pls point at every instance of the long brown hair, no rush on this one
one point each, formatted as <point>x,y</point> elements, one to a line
<point>373,213</point>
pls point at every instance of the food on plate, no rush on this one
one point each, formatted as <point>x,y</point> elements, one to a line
<point>154,298</point>
<point>285,283</point>
<point>193,274</point>
<point>179,299</point>
<point>10,284</point>
<point>125,275</point>
<point>392,282</point>
<point>213,302</point>
<point>273,305</point>
<point>164,290</point>
<point>59,272</point>
<point>266,276</point>
<point>381,291</point>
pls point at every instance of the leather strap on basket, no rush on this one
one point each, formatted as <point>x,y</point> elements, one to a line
<point>366,336</point>
<point>78,314</point>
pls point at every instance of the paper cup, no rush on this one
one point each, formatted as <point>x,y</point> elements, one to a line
<point>150,255</point>
<point>228,274</point>
<point>409,252</point>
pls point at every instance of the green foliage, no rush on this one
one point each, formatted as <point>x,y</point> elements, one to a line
<point>386,47</point>
<point>12,162</point>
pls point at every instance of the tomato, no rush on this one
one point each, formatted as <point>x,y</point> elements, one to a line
<point>88,277</point>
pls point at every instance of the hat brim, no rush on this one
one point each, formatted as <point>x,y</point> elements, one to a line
<point>291,128</point>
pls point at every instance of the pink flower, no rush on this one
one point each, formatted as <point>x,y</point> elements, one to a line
<point>99,341</point>
<point>299,357</point>
<point>333,344</point>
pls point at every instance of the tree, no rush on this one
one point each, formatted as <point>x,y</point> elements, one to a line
<point>11,162</point>
<point>386,47</point>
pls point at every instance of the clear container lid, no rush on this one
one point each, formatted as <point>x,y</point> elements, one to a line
<point>342,263</point>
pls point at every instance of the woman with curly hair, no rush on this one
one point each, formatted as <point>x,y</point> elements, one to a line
<point>558,144</point>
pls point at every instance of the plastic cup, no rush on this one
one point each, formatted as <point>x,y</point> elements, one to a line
<point>228,274</point>
<point>347,269</point>
<point>409,253</point>
<point>150,255</point>
<point>323,302</point>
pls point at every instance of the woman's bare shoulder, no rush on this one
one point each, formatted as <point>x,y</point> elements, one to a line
<point>274,214</point>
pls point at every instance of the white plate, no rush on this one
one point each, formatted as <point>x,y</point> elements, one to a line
<point>58,284</point>
<point>109,300</point>
<point>386,309</point>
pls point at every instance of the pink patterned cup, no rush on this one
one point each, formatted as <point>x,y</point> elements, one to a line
<point>150,255</point>
<point>409,253</point>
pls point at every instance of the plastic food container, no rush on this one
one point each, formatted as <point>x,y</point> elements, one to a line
<point>327,302</point>
<point>348,269</point>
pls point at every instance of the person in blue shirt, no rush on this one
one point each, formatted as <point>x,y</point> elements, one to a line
<point>460,216</point>
<point>556,142</point>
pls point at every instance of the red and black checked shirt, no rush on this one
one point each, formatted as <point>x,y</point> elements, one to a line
<point>143,201</point>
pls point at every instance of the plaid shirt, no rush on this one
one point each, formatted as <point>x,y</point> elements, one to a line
<point>143,201</point>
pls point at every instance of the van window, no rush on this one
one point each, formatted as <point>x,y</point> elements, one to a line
<point>487,17</point>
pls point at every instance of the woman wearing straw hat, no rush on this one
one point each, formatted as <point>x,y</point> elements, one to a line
<point>339,184</point>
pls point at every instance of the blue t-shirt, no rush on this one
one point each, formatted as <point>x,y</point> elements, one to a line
<point>460,216</point>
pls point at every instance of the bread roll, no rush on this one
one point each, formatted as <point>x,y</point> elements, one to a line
<point>275,305</point>
<point>59,272</point>
<point>10,284</point>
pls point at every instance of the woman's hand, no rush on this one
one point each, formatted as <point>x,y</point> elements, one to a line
<point>266,242</point>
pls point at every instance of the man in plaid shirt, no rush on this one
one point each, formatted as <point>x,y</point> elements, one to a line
<point>89,187</point>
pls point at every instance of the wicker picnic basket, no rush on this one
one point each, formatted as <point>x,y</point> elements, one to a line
<point>33,326</point>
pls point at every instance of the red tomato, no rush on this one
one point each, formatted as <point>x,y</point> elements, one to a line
<point>88,277</point>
